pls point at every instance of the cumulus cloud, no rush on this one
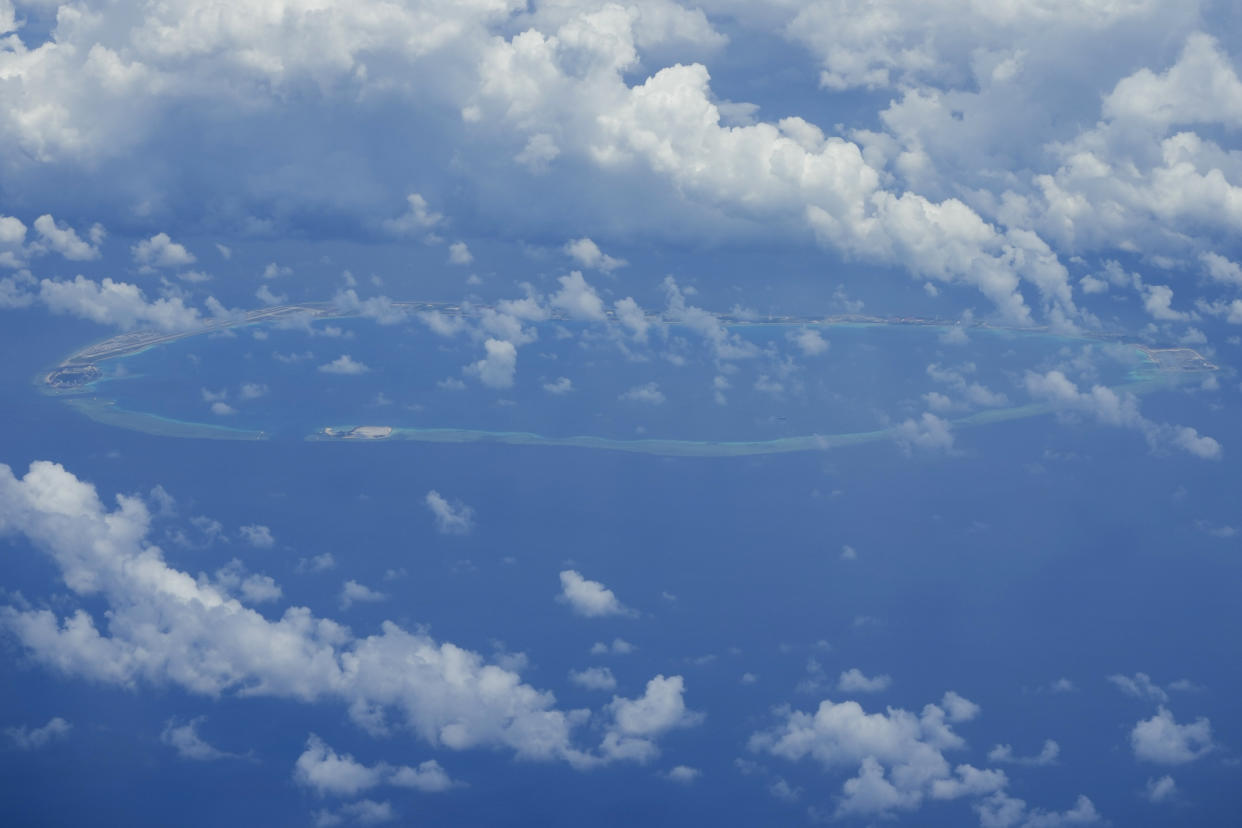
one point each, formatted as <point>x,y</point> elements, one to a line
<point>649,393</point>
<point>33,738</point>
<point>1003,811</point>
<point>344,364</point>
<point>362,812</point>
<point>683,774</point>
<point>810,341</point>
<point>637,723</point>
<point>578,299</point>
<point>210,644</point>
<point>899,756</point>
<point>619,646</point>
<point>594,678</point>
<point>353,592</point>
<point>379,308</point>
<point>589,598</point>
<point>853,681</point>
<point>451,518</point>
<point>1162,789</point>
<point>1163,741</point>
<point>725,347</point>
<point>418,218</point>
<point>560,386</point>
<point>459,254</point>
<point>1120,410</point>
<point>329,773</point>
<point>1046,756</point>
<point>161,251</point>
<point>971,393</point>
<point>253,588</point>
<point>632,318</point>
<point>498,366</point>
<point>269,297</point>
<point>184,739</point>
<point>119,304</point>
<point>1140,686</point>
<point>928,433</point>
<point>66,242</point>
<point>587,254</point>
<point>1222,269</point>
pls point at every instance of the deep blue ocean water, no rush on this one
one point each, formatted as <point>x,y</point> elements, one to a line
<point>1041,550</point>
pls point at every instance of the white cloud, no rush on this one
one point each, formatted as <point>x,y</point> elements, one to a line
<point>619,646</point>
<point>451,518</point>
<point>269,297</point>
<point>589,598</point>
<point>928,433</point>
<point>561,386</point>
<point>683,774</point>
<point>649,394</point>
<point>362,812</point>
<point>899,756</point>
<point>1003,811</point>
<point>638,722</point>
<point>973,393</point>
<point>210,644</point>
<point>317,563</point>
<point>1158,301</point>
<point>1121,410</point>
<point>33,738</point>
<point>329,773</point>
<point>442,324</point>
<point>116,303</point>
<point>1140,686</point>
<point>1161,790</point>
<point>222,409</point>
<point>253,588</point>
<point>419,218</point>
<point>497,368</point>
<point>958,708</point>
<point>1163,741</point>
<point>253,390</point>
<point>353,592</point>
<point>1221,269</point>
<point>258,535</point>
<point>725,347</point>
<point>1046,756</point>
<point>540,151</point>
<point>184,739</point>
<point>66,241</point>
<point>380,308</point>
<point>587,254</point>
<point>161,251</point>
<point>459,254</point>
<point>344,364</point>
<point>853,681</point>
<point>594,678</point>
<point>578,299</point>
<point>632,317</point>
<point>811,342</point>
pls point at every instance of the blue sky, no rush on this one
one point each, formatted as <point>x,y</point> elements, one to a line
<point>1009,605</point>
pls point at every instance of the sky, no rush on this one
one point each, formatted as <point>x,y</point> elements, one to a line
<point>651,542</point>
